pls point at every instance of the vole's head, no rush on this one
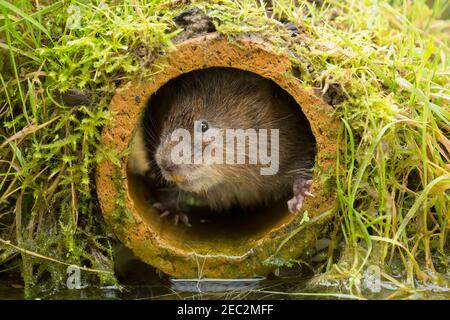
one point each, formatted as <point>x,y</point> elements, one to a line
<point>180,157</point>
<point>205,103</point>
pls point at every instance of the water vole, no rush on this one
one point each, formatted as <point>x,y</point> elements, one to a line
<point>217,100</point>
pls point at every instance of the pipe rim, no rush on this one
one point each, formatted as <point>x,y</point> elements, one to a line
<point>202,52</point>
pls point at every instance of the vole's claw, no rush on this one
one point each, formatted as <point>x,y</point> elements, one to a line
<point>294,203</point>
<point>184,218</point>
<point>164,214</point>
<point>309,194</point>
<point>301,191</point>
<point>179,216</point>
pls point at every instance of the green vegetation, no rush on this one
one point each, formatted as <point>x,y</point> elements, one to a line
<point>383,65</point>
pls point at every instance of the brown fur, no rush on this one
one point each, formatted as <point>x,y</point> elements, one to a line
<point>228,98</point>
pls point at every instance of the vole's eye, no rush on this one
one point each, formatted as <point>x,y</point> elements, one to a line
<point>204,126</point>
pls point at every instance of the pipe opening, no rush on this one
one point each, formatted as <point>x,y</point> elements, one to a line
<point>231,231</point>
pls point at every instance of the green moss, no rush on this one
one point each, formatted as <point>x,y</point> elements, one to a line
<point>121,212</point>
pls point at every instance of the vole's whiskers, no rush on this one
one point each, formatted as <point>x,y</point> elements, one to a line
<point>151,136</point>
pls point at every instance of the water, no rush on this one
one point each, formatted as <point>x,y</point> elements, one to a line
<point>291,287</point>
<point>140,281</point>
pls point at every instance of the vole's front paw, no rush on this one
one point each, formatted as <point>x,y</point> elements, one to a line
<point>164,212</point>
<point>301,191</point>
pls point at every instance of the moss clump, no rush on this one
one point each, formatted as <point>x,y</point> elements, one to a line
<point>382,65</point>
